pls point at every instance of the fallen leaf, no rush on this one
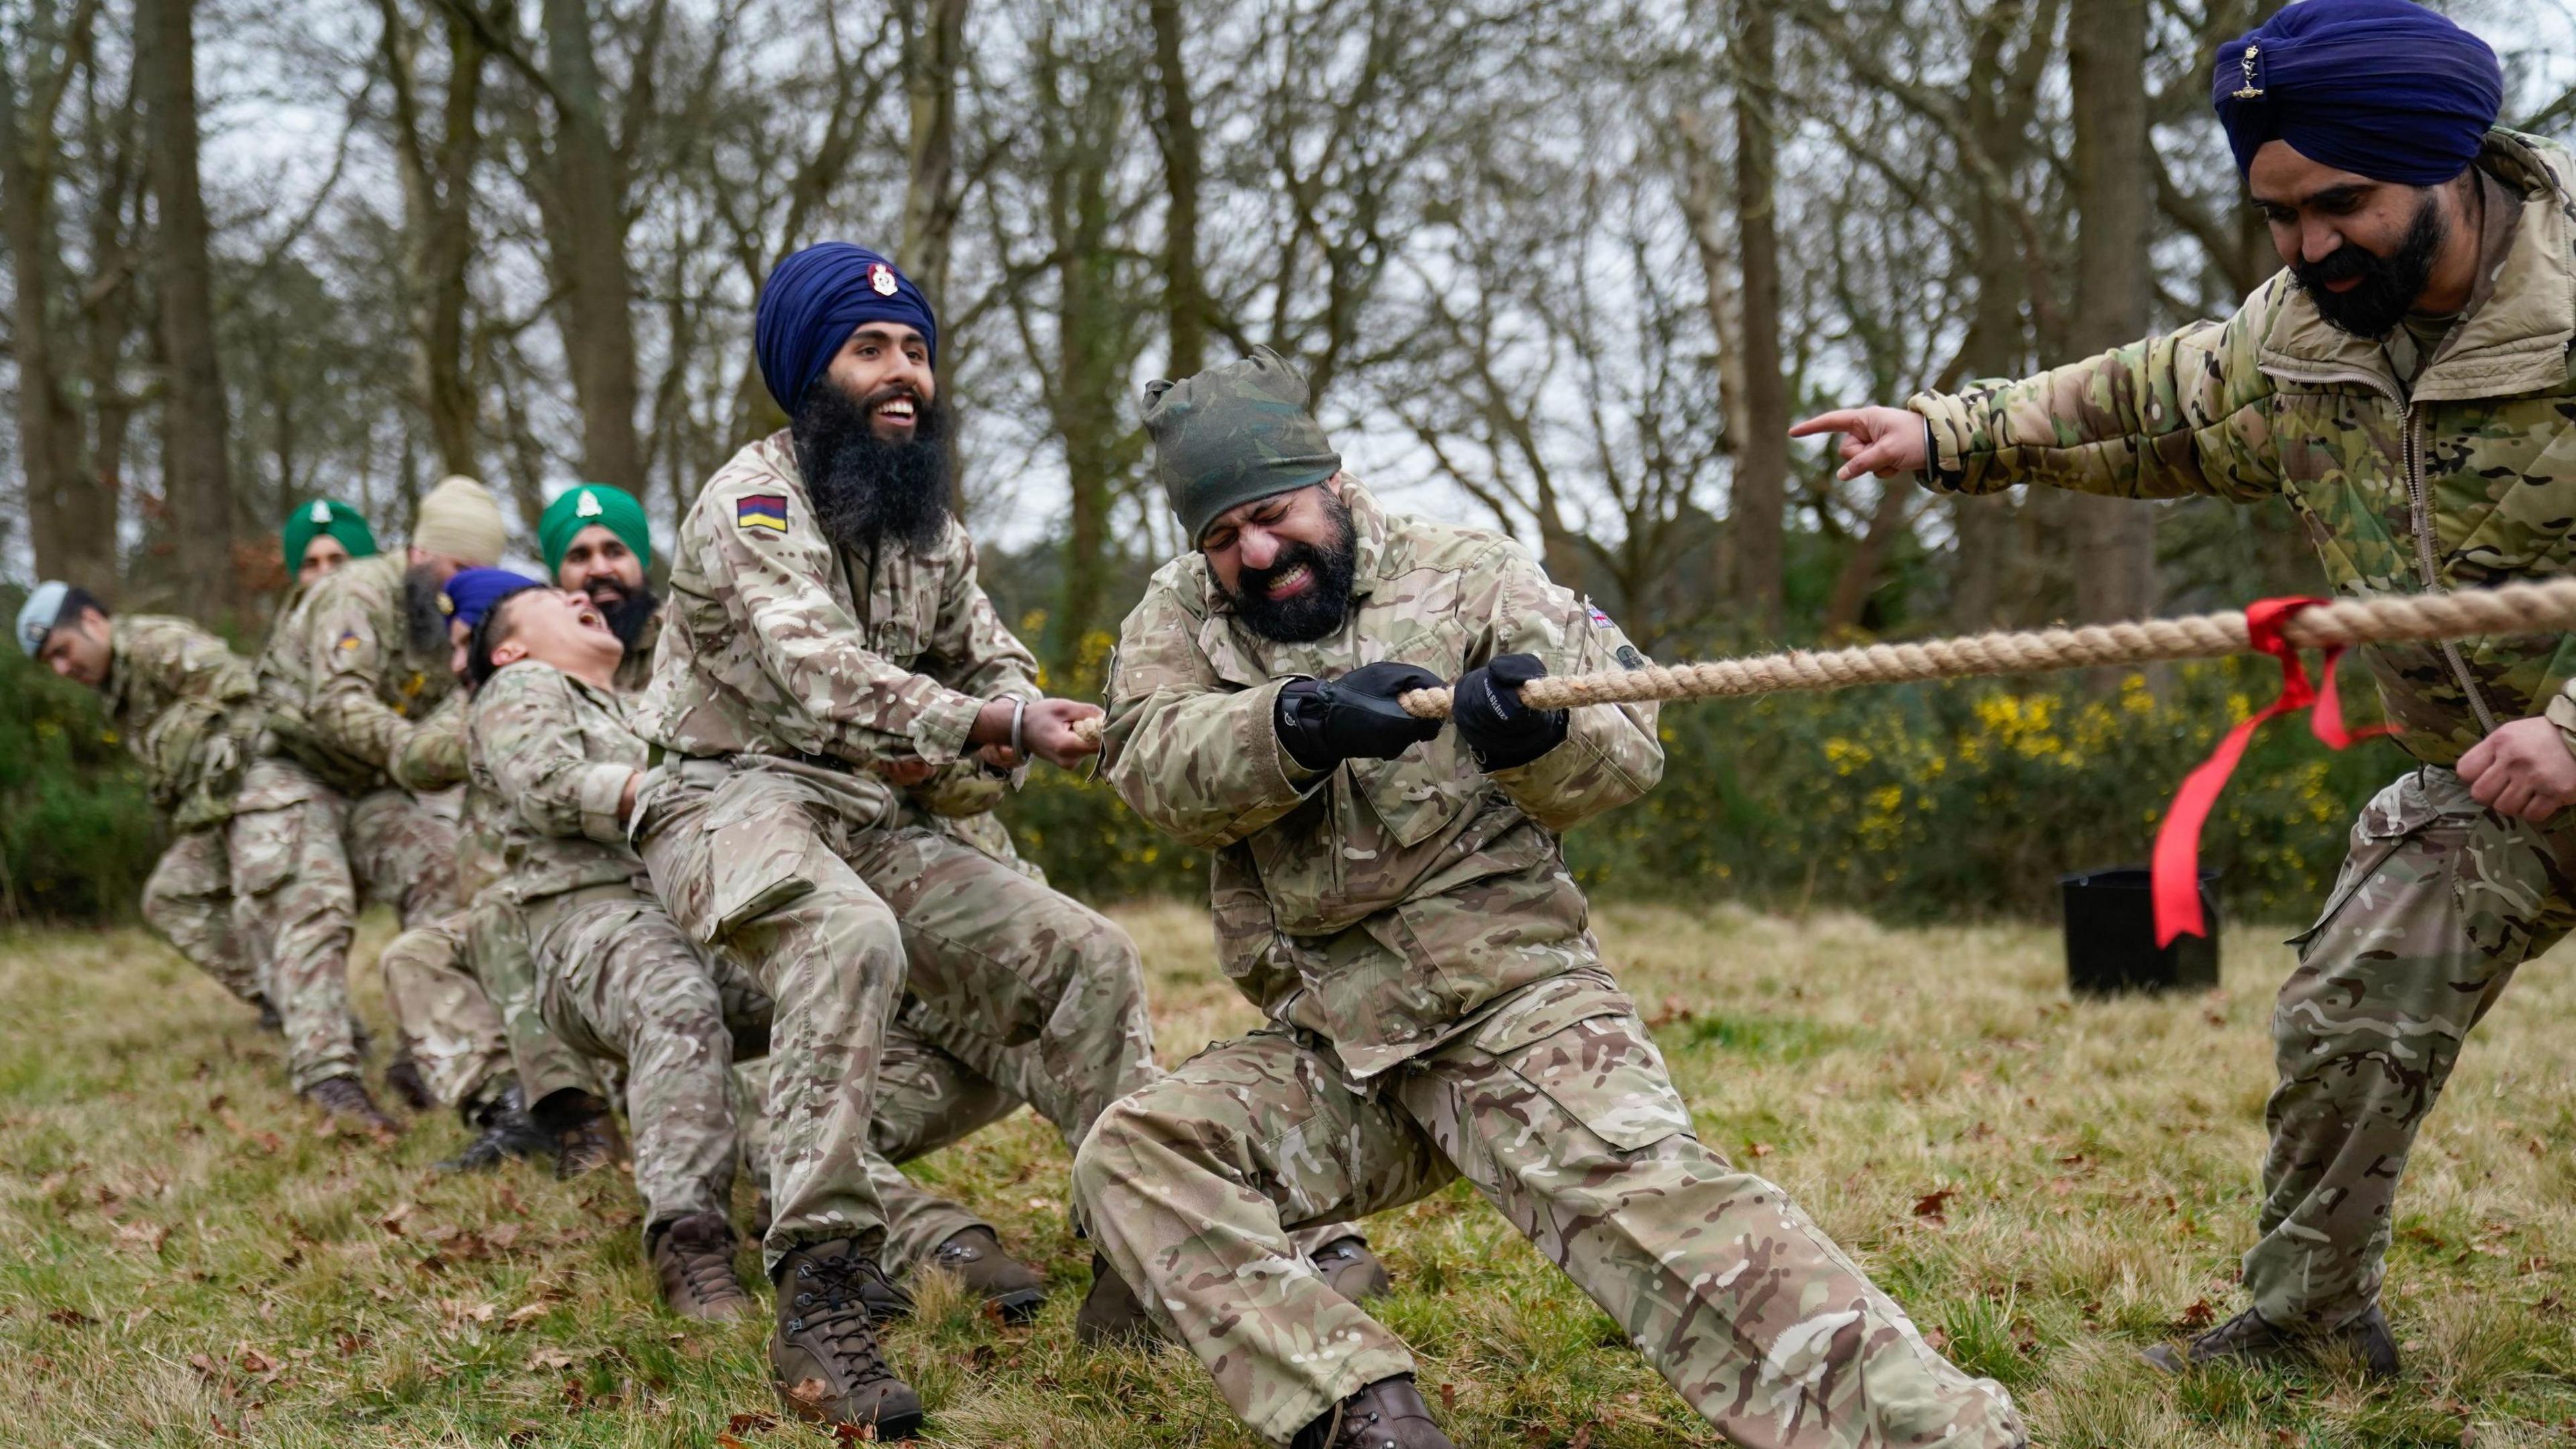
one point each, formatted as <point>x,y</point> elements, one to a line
<point>142,1237</point>
<point>502,1236</point>
<point>1935,1205</point>
<point>810,1392</point>
<point>70,1317</point>
<point>752,1423</point>
<point>253,1361</point>
<point>392,1221</point>
<point>206,1367</point>
<point>1449,1398</point>
<point>728,1441</point>
<point>1762,1149</point>
<point>522,1316</point>
<point>2198,1316</point>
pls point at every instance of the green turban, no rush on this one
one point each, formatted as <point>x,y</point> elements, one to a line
<point>584,504</point>
<point>324,516</point>
<point>1233,434</point>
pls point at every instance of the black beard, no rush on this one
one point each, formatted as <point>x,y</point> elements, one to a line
<point>629,615</point>
<point>2389,285</point>
<point>866,490</point>
<point>1305,617</point>
<point>424,622</point>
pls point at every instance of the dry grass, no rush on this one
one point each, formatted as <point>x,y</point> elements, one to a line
<point>183,1259</point>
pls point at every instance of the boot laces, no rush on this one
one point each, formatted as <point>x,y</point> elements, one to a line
<point>829,1302</point>
<point>707,1269</point>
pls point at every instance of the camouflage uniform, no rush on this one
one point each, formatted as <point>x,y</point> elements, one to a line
<point>183,703</point>
<point>2458,475</point>
<point>320,818</point>
<point>787,668</point>
<point>1437,1008</point>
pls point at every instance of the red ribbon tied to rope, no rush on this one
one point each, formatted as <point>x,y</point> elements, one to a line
<point>2175,880</point>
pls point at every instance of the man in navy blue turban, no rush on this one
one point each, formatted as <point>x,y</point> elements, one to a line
<point>2403,386</point>
<point>847,345</point>
<point>2357,124</point>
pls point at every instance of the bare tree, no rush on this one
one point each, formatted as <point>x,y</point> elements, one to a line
<point>1759,498</point>
<point>2115,541</point>
<point>196,480</point>
<point>437,170</point>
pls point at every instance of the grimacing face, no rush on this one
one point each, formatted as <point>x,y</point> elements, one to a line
<point>597,562</point>
<point>322,557</point>
<point>558,627</point>
<point>81,650</point>
<point>1254,535</point>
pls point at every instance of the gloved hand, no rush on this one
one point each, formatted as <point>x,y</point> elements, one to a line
<point>1322,723</point>
<point>1492,720</point>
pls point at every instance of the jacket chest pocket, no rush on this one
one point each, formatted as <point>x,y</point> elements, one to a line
<point>2509,468</point>
<point>1420,793</point>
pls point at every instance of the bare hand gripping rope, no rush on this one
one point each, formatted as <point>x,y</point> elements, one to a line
<point>2538,608</point>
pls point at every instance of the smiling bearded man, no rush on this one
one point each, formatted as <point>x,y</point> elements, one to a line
<point>2404,385</point>
<point>831,679</point>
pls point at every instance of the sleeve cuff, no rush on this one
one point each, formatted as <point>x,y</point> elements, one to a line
<point>599,790</point>
<point>1278,770</point>
<point>2561,712</point>
<point>1945,440</point>
<point>939,731</point>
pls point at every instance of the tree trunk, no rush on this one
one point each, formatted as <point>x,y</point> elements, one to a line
<point>66,545</point>
<point>589,242</point>
<point>438,241</point>
<point>1756,515</point>
<point>196,481</point>
<point>1176,131</point>
<point>2115,539</point>
<point>933,53</point>
<point>1702,201</point>
<point>1987,570</point>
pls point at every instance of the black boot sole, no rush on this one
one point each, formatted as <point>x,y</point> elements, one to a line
<point>1020,1305</point>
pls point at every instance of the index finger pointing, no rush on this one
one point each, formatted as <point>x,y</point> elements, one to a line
<point>1841,420</point>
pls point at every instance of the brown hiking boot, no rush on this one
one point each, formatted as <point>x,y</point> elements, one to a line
<point>584,1132</point>
<point>824,1358</point>
<point>1388,1414</point>
<point>1351,1270</point>
<point>2248,1339</point>
<point>1008,1288</point>
<point>346,1099</point>
<point>693,1258</point>
<point>1110,1316</point>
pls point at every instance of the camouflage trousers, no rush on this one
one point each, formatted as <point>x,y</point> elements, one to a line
<point>1575,1132</point>
<point>2439,900</point>
<point>836,915</point>
<point>189,901</point>
<point>302,853</point>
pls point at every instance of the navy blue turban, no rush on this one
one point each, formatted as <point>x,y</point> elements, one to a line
<point>2381,88</point>
<point>815,300</point>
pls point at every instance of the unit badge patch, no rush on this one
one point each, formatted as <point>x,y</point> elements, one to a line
<point>762,510</point>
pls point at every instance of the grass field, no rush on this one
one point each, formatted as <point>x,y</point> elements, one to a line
<point>185,1258</point>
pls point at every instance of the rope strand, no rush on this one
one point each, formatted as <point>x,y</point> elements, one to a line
<point>2532,608</point>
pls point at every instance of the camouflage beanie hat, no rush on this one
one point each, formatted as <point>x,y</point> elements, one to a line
<point>1233,434</point>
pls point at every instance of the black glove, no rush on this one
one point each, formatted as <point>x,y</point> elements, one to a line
<point>1322,723</point>
<point>1492,720</point>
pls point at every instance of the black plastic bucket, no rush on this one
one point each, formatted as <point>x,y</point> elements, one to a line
<point>2111,936</point>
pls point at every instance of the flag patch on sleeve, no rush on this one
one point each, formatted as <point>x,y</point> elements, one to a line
<point>1599,620</point>
<point>762,510</point>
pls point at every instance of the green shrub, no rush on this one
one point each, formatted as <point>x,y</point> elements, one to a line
<point>77,829</point>
<point>1925,802</point>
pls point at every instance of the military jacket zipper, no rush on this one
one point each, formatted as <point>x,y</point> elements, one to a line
<point>2420,512</point>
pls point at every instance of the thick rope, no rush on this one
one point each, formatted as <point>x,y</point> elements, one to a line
<point>2538,608</point>
<point>2541,608</point>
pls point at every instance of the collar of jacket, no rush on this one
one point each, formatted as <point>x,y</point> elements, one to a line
<point>120,674</point>
<point>2516,343</point>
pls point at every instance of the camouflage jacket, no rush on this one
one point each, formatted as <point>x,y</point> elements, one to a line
<point>777,642</point>
<point>550,757</point>
<point>342,686</point>
<point>1385,903</point>
<point>185,704</point>
<point>2467,479</point>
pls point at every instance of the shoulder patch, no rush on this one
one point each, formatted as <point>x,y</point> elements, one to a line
<point>1599,620</point>
<point>348,639</point>
<point>763,511</point>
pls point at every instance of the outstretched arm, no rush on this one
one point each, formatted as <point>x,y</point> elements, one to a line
<point>2171,416</point>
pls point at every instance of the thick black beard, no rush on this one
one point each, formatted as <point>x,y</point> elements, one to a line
<point>630,616</point>
<point>2389,285</point>
<point>1306,617</point>
<point>866,490</point>
<point>424,623</point>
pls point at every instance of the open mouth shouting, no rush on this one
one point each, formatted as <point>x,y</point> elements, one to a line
<point>1292,581</point>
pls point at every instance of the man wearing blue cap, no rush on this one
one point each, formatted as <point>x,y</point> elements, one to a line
<point>830,677</point>
<point>183,702</point>
<point>2404,383</point>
